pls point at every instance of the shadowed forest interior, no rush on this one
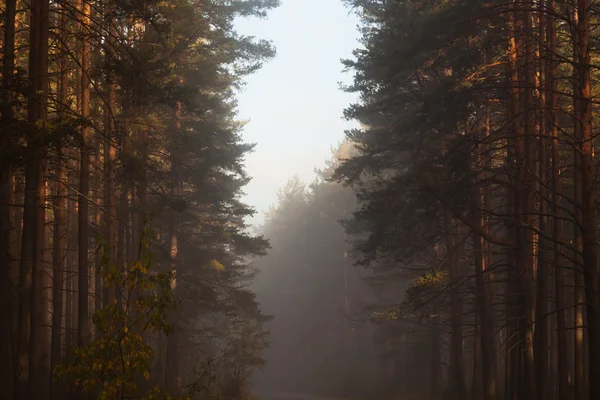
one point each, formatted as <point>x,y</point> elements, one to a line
<point>447,249</point>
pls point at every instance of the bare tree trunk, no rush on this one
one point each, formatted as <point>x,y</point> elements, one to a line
<point>557,214</point>
<point>579,349</point>
<point>16,235</point>
<point>72,292</point>
<point>454,245</point>
<point>6,255</point>
<point>59,253</point>
<point>58,264</point>
<point>172,376</point>
<point>587,201</point>
<point>98,292</point>
<point>83,327</point>
<point>39,357</point>
<point>476,382</point>
<point>110,184</point>
<point>541,303</point>
<point>123,219</point>
<point>485,315</point>
<point>526,160</point>
<point>514,157</point>
<point>30,260</point>
<point>436,359</point>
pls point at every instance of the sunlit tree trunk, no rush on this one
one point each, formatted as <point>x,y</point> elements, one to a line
<point>84,329</point>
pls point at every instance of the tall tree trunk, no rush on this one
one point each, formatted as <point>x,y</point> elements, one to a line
<point>587,201</point>
<point>123,219</point>
<point>476,382</point>
<point>39,341</point>
<point>98,292</point>
<point>525,188</point>
<point>483,293</point>
<point>172,374</point>
<point>435,381</point>
<point>72,292</point>
<point>557,214</point>
<point>29,250</point>
<point>485,317</point>
<point>83,328</point>
<point>110,184</point>
<point>59,266</point>
<point>6,255</point>
<point>579,349</point>
<point>513,160</point>
<point>541,311</point>
<point>59,253</point>
<point>16,236</point>
<point>454,243</point>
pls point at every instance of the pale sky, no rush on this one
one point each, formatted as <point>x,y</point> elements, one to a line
<point>294,104</point>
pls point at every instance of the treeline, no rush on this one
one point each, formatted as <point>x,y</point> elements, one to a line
<point>476,170</point>
<point>321,343</point>
<point>124,253</point>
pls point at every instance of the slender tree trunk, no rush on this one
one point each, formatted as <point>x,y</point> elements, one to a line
<point>485,317</point>
<point>39,341</point>
<point>59,266</point>
<point>83,328</point>
<point>33,170</point>
<point>483,295</point>
<point>514,158</point>
<point>59,253</point>
<point>541,311</point>
<point>172,376</point>
<point>6,255</point>
<point>123,219</point>
<point>579,299</point>
<point>454,245</point>
<point>98,291</point>
<point>557,215</point>
<point>525,188</point>
<point>72,292</point>
<point>110,184</point>
<point>587,201</point>
<point>476,383</point>
<point>436,361</point>
<point>17,223</point>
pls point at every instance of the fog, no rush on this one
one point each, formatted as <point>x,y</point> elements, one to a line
<point>325,338</point>
<point>299,199</point>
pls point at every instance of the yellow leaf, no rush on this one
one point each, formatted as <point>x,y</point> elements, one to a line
<point>216,265</point>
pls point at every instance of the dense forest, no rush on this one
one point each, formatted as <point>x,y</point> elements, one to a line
<point>467,199</point>
<point>125,255</point>
<point>447,250</point>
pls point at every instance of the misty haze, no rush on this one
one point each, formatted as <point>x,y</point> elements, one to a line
<point>299,200</point>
